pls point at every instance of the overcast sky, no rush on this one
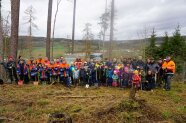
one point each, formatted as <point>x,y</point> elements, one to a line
<point>132,16</point>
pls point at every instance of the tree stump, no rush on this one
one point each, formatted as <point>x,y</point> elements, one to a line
<point>59,118</point>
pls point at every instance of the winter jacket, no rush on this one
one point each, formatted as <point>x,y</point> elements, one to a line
<point>115,77</point>
<point>109,73</point>
<point>22,69</point>
<point>169,67</point>
<point>76,74</point>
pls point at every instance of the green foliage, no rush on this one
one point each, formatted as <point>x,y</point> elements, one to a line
<point>152,49</point>
<point>174,46</point>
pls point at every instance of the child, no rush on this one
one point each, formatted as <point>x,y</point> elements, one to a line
<point>71,73</point>
<point>82,73</point>
<point>22,71</point>
<point>76,76</point>
<point>136,79</point>
<point>33,72</point>
<point>135,84</point>
<point>94,77</point>
<point>115,79</point>
<point>67,76</point>
<point>126,78</point>
<point>109,74</point>
<point>43,74</point>
<point>56,70</point>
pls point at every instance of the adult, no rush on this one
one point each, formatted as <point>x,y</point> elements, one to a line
<point>160,73</point>
<point>169,68</point>
<point>11,68</point>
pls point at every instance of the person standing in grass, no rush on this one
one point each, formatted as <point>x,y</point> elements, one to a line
<point>115,79</point>
<point>109,74</point>
<point>136,79</point>
<point>76,76</point>
<point>169,68</point>
<point>22,71</point>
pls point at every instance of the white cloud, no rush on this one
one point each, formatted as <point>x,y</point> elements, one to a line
<point>132,16</point>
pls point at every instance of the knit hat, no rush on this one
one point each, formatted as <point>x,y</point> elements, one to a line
<point>136,72</point>
<point>10,57</point>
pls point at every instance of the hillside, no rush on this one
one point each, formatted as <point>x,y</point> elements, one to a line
<point>130,48</point>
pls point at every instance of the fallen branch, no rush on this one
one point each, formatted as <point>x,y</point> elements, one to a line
<point>2,119</point>
<point>79,96</point>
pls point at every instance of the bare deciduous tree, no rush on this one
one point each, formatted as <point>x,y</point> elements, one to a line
<point>104,24</point>
<point>88,36</point>
<point>15,6</point>
<point>6,34</point>
<point>30,11</point>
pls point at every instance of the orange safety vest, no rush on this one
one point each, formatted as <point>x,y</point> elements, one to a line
<point>46,63</point>
<point>40,61</point>
<point>170,66</point>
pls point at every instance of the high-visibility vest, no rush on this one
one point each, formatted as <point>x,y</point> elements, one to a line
<point>170,66</point>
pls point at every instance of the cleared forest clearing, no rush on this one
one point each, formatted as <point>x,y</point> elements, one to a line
<point>33,104</point>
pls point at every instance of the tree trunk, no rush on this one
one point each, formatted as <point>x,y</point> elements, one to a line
<point>48,40</point>
<point>111,30</point>
<point>1,34</point>
<point>15,6</point>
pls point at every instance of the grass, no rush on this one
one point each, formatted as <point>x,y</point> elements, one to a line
<point>33,104</point>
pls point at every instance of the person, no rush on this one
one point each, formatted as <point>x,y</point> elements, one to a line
<point>46,61</point>
<point>78,63</point>
<point>43,74</point>
<point>160,74</point>
<point>76,76</point>
<point>93,77</point>
<point>126,77</point>
<point>39,60</point>
<point>51,72</point>
<point>103,75</point>
<point>22,71</point>
<point>115,79</point>
<point>72,68</point>
<point>82,73</point>
<point>150,81</point>
<point>169,67</point>
<point>63,67</point>
<point>67,76</point>
<point>56,70</point>
<point>136,79</point>
<point>109,74</point>
<point>148,65</point>
<point>135,84</point>
<point>33,71</point>
<point>11,68</point>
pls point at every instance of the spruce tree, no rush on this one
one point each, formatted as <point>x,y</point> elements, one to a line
<point>165,47</point>
<point>152,49</point>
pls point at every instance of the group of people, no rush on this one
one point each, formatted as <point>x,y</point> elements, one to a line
<point>124,72</point>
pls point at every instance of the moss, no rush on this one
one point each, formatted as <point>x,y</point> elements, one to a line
<point>166,114</point>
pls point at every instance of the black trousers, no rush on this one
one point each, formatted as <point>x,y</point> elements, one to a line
<point>12,74</point>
